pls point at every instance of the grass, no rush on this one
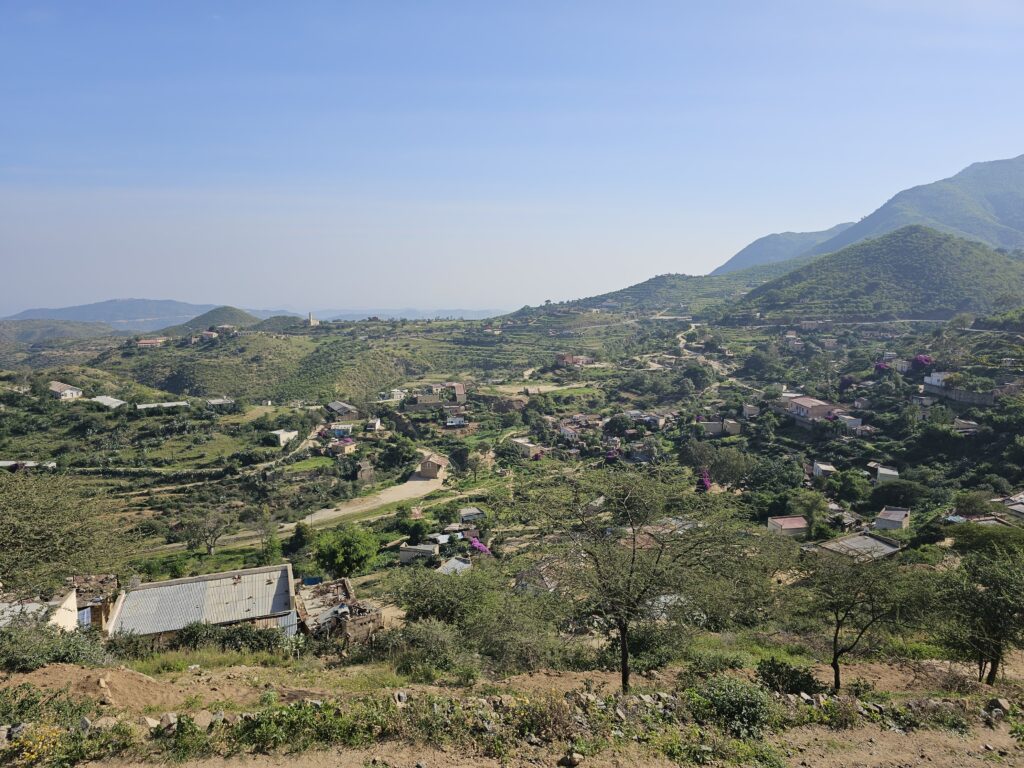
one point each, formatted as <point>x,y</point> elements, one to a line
<point>169,662</point>
<point>752,648</point>
<point>307,465</point>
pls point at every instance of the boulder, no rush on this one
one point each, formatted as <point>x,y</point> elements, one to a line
<point>104,723</point>
<point>168,721</point>
<point>148,723</point>
<point>571,760</point>
<point>203,720</point>
<point>998,703</point>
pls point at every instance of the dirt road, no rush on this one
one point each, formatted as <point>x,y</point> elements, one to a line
<point>415,487</point>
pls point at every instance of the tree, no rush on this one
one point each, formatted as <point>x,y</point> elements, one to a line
<point>270,544</point>
<point>474,463</point>
<point>52,530</point>
<point>346,550</point>
<point>985,603</point>
<point>849,485</point>
<point>205,530</point>
<point>634,560</point>
<point>810,504</point>
<point>855,602</point>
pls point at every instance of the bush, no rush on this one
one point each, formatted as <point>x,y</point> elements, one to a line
<point>421,650</point>
<point>782,677</point>
<point>129,646</point>
<point>742,709</point>
<point>27,644</point>
<point>239,637</point>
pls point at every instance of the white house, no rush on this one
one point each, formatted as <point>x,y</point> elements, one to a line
<point>821,469</point>
<point>410,553</point>
<point>63,391</point>
<point>886,474</point>
<point>893,519</point>
<point>284,436</point>
<point>788,525</point>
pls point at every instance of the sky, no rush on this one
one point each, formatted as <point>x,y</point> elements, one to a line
<point>434,154</point>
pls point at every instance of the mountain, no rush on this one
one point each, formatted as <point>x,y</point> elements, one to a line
<point>216,316</point>
<point>985,202</point>
<point>914,272</point>
<point>781,246</point>
<point>36,331</point>
<point>130,315</point>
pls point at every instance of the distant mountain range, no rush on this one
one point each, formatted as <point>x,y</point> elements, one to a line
<point>983,202</point>
<point>914,272</point>
<point>217,316</point>
<point>131,315</point>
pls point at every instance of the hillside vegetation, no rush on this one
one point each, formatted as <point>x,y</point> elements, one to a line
<point>985,202</point>
<point>35,331</point>
<point>123,314</point>
<point>777,247</point>
<point>914,272</point>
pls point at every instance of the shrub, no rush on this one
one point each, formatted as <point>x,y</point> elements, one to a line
<point>129,646</point>
<point>422,650</point>
<point>238,637</point>
<point>782,677</point>
<point>27,644</point>
<point>742,709</point>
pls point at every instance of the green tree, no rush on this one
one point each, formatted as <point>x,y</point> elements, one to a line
<point>985,604</point>
<point>202,530</point>
<point>811,505</point>
<point>345,551</point>
<point>50,529</point>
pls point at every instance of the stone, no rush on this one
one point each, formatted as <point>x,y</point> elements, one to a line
<point>997,703</point>
<point>102,683</point>
<point>203,719</point>
<point>148,723</point>
<point>84,725</point>
<point>571,760</point>
<point>168,721</point>
<point>4,729</point>
<point>230,718</point>
<point>806,698</point>
<point>17,731</point>
<point>195,669</point>
<point>106,700</point>
<point>104,723</point>
<point>401,697</point>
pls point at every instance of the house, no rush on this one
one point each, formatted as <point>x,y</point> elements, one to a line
<point>789,525</point>
<point>527,449</point>
<point>821,469</point>
<point>330,609</point>
<point>569,433</point>
<point>893,519</point>
<point>750,411</point>
<point>455,422</point>
<point>339,430</point>
<point>373,425</point>
<point>261,597</point>
<point>209,335</point>
<point>434,466</point>
<point>346,446</point>
<point>711,428</point>
<point>162,406</point>
<point>151,343</point>
<point>60,612</point>
<point>284,436</point>
<point>109,402</point>
<point>455,566</point>
<point>862,547</point>
<point>62,391</point>
<point>965,427</point>
<point>458,391</point>
<point>902,366</point>
<point>220,402</point>
<point>365,473</point>
<point>730,426</point>
<point>341,409</point>
<point>936,380</point>
<point>861,404</point>
<point>885,474</point>
<point>568,360</point>
<point>849,423</point>
<point>410,553</point>
<point>809,409</point>
<point>469,514</point>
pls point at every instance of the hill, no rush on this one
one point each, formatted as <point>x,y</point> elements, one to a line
<point>781,246</point>
<point>214,317</point>
<point>914,272</point>
<point>985,202</point>
<point>122,314</point>
<point>38,331</point>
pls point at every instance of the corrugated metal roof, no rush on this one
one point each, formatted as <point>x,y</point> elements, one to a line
<point>220,598</point>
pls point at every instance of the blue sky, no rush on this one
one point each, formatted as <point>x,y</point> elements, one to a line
<point>442,154</point>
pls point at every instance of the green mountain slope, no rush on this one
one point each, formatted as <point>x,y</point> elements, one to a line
<point>37,331</point>
<point>985,202</point>
<point>781,246</point>
<point>914,272</point>
<point>218,316</point>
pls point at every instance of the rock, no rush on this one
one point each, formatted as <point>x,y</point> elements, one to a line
<point>997,703</point>
<point>313,703</point>
<point>195,669</point>
<point>3,734</point>
<point>218,717</point>
<point>148,722</point>
<point>532,740</point>
<point>401,697</point>
<point>806,698</point>
<point>230,718</point>
<point>620,714</point>
<point>84,725</point>
<point>17,731</point>
<point>571,760</point>
<point>168,721</point>
<point>104,723</point>
<point>989,748</point>
<point>102,683</point>
<point>203,720</point>
<point>647,699</point>
<point>106,700</point>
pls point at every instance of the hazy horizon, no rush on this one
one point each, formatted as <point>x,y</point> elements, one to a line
<point>453,155</point>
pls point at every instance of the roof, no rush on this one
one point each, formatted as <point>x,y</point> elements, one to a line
<point>110,402</point>
<point>789,522</point>
<point>808,402</point>
<point>341,407</point>
<point>455,565</point>
<point>880,470</point>
<point>175,404</point>
<point>220,401</point>
<point>218,598</point>
<point>862,546</point>
<point>436,458</point>
<point>896,514</point>
<point>60,386</point>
